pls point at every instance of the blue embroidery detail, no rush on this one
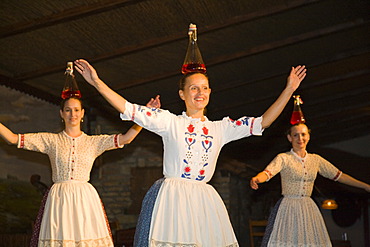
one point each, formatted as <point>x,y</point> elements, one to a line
<point>245,121</point>
<point>190,141</point>
<point>240,121</point>
<point>186,174</point>
<point>204,144</point>
<point>201,176</point>
<point>148,110</point>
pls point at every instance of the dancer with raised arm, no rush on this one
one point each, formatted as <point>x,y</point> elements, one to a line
<point>72,213</point>
<point>182,209</point>
<point>296,219</point>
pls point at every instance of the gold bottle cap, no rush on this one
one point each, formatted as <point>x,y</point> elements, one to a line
<point>192,27</point>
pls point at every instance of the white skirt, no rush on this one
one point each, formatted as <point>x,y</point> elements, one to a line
<point>74,216</point>
<point>190,213</point>
<point>299,223</point>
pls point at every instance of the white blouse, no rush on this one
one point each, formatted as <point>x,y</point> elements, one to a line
<point>298,174</point>
<point>191,146</point>
<point>71,158</point>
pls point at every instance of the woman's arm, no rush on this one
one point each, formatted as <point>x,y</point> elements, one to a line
<point>297,74</point>
<point>8,135</point>
<point>91,76</point>
<point>130,135</point>
<point>348,180</point>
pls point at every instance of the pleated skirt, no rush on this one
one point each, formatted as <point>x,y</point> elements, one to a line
<point>186,213</point>
<point>73,215</point>
<point>296,222</point>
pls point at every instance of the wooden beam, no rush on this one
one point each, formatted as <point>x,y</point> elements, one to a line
<point>337,58</point>
<point>64,16</point>
<point>256,50</point>
<point>315,84</point>
<point>340,127</point>
<point>172,38</point>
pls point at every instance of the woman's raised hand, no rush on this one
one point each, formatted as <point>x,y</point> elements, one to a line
<point>87,71</point>
<point>154,103</point>
<point>295,77</point>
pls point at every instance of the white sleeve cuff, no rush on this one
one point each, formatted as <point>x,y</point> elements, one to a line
<point>129,113</point>
<point>268,175</point>
<point>256,128</point>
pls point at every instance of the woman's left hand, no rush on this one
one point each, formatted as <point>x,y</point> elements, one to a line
<point>154,103</point>
<point>295,77</point>
<point>87,71</point>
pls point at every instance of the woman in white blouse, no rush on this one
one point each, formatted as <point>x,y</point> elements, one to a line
<point>296,220</point>
<point>182,209</point>
<point>72,213</point>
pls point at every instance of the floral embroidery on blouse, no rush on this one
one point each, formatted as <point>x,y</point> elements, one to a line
<point>190,139</point>
<point>241,121</point>
<point>201,175</point>
<point>191,146</point>
<point>207,139</point>
<point>187,170</point>
<point>190,136</point>
<point>150,112</point>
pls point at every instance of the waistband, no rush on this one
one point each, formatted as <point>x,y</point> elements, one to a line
<point>186,180</point>
<point>296,196</point>
<point>71,182</point>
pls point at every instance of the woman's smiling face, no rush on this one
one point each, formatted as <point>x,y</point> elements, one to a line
<point>299,136</point>
<point>72,112</point>
<point>196,92</point>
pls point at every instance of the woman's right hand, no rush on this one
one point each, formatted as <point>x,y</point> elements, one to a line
<point>87,71</point>
<point>367,188</point>
<point>254,183</point>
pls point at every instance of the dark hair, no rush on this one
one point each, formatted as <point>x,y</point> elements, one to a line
<point>63,102</point>
<point>289,131</point>
<point>182,81</point>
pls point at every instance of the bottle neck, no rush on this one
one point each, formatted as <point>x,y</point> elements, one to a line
<point>193,35</point>
<point>69,72</point>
